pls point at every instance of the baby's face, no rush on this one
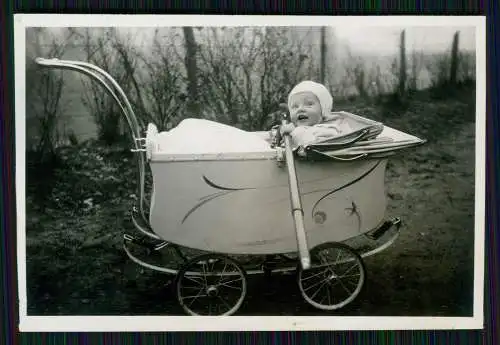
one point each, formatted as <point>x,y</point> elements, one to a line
<point>305,109</point>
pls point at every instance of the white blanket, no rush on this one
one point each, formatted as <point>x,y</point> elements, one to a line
<point>198,136</point>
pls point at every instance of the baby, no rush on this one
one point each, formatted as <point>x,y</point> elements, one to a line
<point>310,105</point>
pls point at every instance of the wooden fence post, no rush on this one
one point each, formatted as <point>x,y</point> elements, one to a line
<point>454,59</point>
<point>402,65</point>
<point>323,55</point>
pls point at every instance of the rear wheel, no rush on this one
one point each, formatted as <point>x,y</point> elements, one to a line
<point>336,276</point>
<point>211,284</point>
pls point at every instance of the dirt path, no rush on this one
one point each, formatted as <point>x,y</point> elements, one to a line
<point>430,269</point>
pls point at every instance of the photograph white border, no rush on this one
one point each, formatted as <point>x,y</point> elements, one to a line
<point>245,323</point>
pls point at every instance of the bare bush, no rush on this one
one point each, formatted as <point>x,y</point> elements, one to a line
<point>416,67</point>
<point>467,66</point>
<point>104,48</point>
<point>246,73</point>
<point>44,93</point>
<point>163,81</point>
<point>355,75</point>
<point>438,66</point>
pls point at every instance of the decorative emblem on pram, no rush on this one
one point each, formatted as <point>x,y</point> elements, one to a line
<point>319,217</point>
<point>353,209</point>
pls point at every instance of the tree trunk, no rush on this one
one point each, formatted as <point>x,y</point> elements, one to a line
<point>192,71</point>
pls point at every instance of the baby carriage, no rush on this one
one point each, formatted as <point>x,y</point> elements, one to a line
<point>231,214</point>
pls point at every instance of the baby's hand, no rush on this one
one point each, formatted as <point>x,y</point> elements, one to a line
<point>287,128</point>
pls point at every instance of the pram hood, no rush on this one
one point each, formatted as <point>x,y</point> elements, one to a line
<point>369,138</point>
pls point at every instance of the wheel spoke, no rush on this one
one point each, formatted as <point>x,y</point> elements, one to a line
<point>328,266</point>
<point>345,288</point>
<point>226,284</point>
<point>313,275</point>
<point>321,302</point>
<point>347,271</point>
<point>316,284</point>
<point>204,274</point>
<point>339,255</point>
<point>331,288</point>
<point>355,283</point>
<point>324,282</point>
<point>195,280</point>
<point>225,303</point>
<point>222,274</point>
<point>329,297</point>
<point>350,275</point>
<point>196,297</point>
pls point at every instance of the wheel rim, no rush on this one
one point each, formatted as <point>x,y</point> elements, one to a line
<point>211,285</point>
<point>335,279</point>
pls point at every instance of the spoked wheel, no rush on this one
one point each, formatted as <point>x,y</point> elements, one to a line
<point>335,279</point>
<point>211,284</point>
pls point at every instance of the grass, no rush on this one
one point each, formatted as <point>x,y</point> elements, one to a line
<point>76,266</point>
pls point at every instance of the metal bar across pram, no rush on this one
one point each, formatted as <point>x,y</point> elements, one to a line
<point>297,211</point>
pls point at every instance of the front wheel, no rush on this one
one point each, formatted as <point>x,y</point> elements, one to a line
<point>211,284</point>
<point>336,276</point>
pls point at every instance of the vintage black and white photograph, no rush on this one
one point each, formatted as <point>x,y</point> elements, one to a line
<point>213,166</point>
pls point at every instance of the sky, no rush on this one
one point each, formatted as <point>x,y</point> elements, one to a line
<point>386,39</point>
<point>375,40</point>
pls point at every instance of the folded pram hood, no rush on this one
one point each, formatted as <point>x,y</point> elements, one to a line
<point>370,138</point>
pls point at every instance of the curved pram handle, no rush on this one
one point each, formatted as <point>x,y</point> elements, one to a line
<point>117,93</point>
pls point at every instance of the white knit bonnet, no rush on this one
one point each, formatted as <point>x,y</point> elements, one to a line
<point>319,90</point>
